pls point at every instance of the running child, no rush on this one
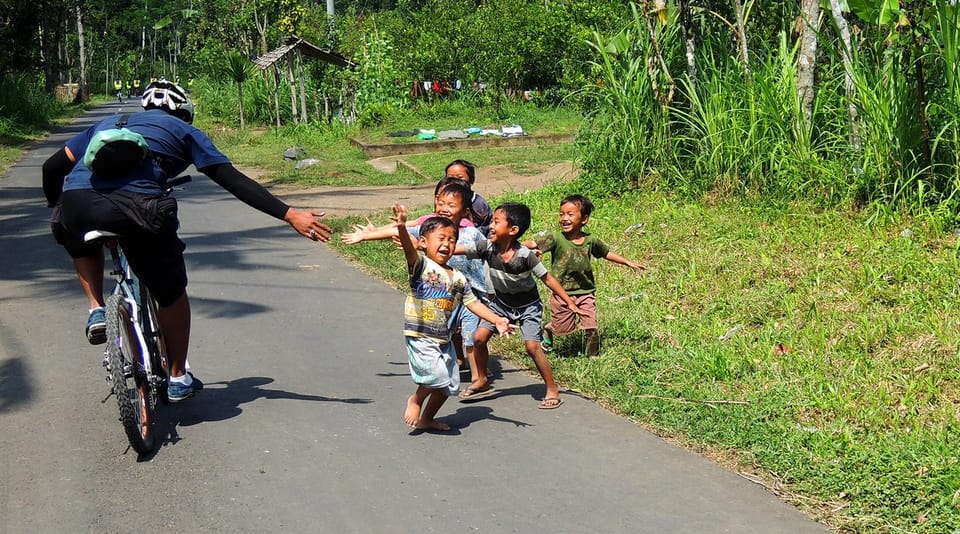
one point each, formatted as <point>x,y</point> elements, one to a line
<point>571,250</point>
<point>451,199</point>
<point>435,291</point>
<point>513,272</point>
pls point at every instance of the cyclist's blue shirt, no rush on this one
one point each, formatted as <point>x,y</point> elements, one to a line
<point>172,141</point>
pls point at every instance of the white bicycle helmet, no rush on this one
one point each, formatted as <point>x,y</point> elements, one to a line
<point>169,97</point>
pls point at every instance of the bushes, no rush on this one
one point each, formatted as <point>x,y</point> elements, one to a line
<point>24,104</point>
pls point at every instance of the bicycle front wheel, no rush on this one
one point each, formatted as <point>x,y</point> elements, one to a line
<point>130,384</point>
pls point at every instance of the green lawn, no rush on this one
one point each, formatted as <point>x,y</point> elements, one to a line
<point>801,344</point>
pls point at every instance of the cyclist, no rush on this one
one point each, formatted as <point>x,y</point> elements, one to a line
<point>84,201</point>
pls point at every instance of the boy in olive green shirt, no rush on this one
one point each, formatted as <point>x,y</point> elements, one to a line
<point>572,250</point>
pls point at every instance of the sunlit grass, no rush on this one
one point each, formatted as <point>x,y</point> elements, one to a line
<point>804,342</point>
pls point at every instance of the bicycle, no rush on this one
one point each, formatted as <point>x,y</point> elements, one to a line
<point>135,356</point>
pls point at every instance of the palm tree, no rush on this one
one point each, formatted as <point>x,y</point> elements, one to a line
<point>238,69</point>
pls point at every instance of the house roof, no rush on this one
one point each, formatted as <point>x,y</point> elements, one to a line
<point>307,49</point>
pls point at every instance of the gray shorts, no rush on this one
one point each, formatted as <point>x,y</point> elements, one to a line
<point>529,317</point>
<point>433,365</point>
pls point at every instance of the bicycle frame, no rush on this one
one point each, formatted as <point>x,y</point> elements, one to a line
<point>127,285</point>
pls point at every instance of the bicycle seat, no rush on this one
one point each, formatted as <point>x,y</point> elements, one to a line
<point>97,235</point>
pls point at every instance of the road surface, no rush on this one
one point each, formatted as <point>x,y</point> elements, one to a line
<point>300,426</point>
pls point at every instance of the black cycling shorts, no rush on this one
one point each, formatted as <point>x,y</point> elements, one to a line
<point>157,259</point>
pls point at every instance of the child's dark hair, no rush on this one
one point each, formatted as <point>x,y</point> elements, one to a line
<point>438,223</point>
<point>471,168</point>
<point>517,214</point>
<point>580,201</point>
<point>455,187</point>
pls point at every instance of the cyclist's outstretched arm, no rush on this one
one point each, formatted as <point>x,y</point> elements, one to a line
<point>55,168</point>
<point>256,196</point>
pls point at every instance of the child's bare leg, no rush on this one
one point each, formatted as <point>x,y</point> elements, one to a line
<point>435,400</point>
<point>593,342</point>
<point>548,333</point>
<point>415,405</point>
<point>472,360</point>
<point>543,367</point>
<point>481,355</point>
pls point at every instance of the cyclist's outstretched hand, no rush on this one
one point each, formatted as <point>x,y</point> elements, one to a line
<point>306,224</point>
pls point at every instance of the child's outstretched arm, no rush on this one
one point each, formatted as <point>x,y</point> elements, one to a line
<point>406,241</point>
<point>557,288</point>
<point>369,233</point>
<point>616,258</point>
<point>482,311</point>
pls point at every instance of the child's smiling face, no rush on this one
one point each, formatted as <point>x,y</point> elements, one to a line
<point>439,244</point>
<point>571,219</point>
<point>449,205</point>
<point>501,231</point>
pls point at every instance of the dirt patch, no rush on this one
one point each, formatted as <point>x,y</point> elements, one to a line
<point>363,200</point>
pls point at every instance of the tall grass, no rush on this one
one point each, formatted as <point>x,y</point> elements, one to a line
<point>24,105</point>
<point>626,137</point>
<point>737,133</point>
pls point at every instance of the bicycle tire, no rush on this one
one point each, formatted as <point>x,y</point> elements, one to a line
<point>130,384</point>
<point>156,345</point>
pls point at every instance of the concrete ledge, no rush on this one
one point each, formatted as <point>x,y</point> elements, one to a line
<point>373,150</point>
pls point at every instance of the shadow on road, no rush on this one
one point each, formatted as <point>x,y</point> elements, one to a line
<point>220,401</point>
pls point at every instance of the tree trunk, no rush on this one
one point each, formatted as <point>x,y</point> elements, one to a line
<point>742,36</point>
<point>293,88</point>
<point>809,24</point>
<point>276,92</point>
<point>656,65</point>
<point>303,88</point>
<point>82,81</point>
<point>847,71</point>
<point>689,39</point>
<point>240,100</point>
<point>922,98</point>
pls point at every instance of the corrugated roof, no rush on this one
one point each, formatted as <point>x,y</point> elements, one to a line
<point>307,49</point>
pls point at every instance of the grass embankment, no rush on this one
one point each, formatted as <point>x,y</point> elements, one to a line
<point>345,164</point>
<point>801,342</point>
<point>15,137</point>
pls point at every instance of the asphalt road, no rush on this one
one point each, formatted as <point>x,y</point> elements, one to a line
<point>300,425</point>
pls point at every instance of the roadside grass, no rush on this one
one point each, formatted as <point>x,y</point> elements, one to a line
<point>803,343</point>
<point>462,113</point>
<point>17,137</point>
<point>521,160</point>
<point>343,164</point>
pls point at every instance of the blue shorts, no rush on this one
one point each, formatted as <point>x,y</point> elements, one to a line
<point>529,318</point>
<point>467,321</point>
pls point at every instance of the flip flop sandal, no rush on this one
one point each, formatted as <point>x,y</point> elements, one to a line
<point>471,393</point>
<point>551,403</point>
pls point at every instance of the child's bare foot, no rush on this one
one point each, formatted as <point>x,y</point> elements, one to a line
<point>412,414</point>
<point>432,424</point>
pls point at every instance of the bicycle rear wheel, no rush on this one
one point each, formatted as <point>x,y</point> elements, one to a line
<point>130,384</point>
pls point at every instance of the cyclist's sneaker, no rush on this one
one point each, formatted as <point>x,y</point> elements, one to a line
<point>177,392</point>
<point>97,327</point>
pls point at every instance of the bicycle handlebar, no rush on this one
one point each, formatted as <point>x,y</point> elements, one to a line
<point>179,180</point>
